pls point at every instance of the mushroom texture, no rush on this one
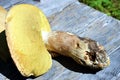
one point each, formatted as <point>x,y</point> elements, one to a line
<point>23,30</point>
<point>84,51</point>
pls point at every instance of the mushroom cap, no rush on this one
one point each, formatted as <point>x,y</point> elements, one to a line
<point>24,26</point>
<point>3,13</point>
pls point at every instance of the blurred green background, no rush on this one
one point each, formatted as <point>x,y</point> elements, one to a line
<point>110,7</point>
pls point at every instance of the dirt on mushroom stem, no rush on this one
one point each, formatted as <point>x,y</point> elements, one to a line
<point>84,51</point>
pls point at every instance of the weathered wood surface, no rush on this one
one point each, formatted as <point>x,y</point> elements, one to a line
<point>75,17</point>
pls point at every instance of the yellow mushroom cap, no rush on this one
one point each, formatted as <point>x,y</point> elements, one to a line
<point>3,13</point>
<point>25,24</point>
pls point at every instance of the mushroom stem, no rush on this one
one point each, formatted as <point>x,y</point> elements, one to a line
<point>60,42</point>
<point>84,51</point>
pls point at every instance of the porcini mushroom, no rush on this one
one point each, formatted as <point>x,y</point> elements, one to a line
<point>3,13</point>
<point>23,31</point>
<point>29,37</point>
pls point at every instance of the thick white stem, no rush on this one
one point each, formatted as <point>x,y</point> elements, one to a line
<point>45,36</point>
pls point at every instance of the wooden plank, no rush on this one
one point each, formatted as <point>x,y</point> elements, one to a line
<point>75,17</point>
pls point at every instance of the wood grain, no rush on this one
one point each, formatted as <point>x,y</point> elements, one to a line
<point>84,21</point>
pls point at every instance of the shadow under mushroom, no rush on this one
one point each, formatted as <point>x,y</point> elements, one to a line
<point>70,64</point>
